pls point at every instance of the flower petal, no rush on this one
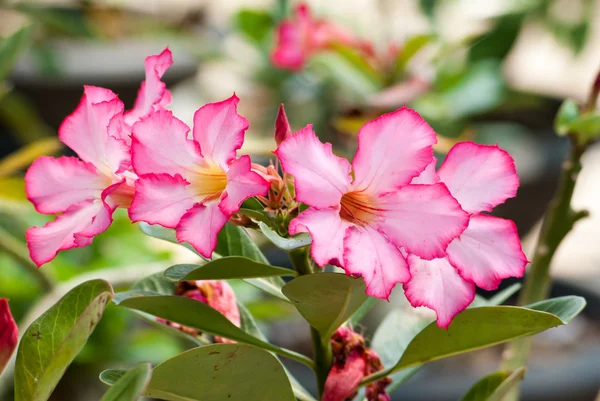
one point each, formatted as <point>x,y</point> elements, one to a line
<point>153,92</point>
<point>344,377</point>
<point>160,145</point>
<point>161,199</point>
<point>320,177</point>
<point>219,130</point>
<point>392,150</point>
<point>282,126</point>
<point>242,183</point>
<point>369,254</point>
<point>479,176</point>
<point>327,230</point>
<point>200,227</point>
<point>488,251</point>
<point>86,131</point>
<point>290,52</point>
<point>55,184</point>
<point>423,219</point>
<point>428,176</point>
<point>9,334</point>
<point>436,285</point>
<point>72,229</point>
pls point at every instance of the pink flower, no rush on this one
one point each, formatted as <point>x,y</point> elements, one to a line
<point>352,362</point>
<point>361,215</point>
<point>9,335</point>
<point>297,39</point>
<point>87,190</point>
<point>192,185</point>
<point>480,177</point>
<point>217,294</point>
<point>282,126</point>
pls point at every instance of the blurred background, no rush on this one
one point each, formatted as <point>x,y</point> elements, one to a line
<point>489,71</point>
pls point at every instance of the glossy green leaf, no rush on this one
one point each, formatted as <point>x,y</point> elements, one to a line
<point>130,385</point>
<point>494,386</point>
<point>287,244</point>
<point>567,115</point>
<point>11,47</point>
<point>53,340</point>
<point>226,268</point>
<point>111,376</point>
<point>326,300</point>
<point>194,314</point>
<point>155,283</point>
<point>477,328</point>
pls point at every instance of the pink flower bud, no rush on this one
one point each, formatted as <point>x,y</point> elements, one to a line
<point>344,376</point>
<point>282,126</point>
<point>9,336</point>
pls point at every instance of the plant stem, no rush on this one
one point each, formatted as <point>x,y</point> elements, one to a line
<point>14,248</point>
<point>323,355</point>
<point>559,220</point>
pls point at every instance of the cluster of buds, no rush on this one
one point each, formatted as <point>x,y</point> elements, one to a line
<point>352,361</point>
<point>217,294</point>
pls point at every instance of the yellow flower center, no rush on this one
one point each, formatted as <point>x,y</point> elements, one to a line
<point>358,208</point>
<point>210,181</point>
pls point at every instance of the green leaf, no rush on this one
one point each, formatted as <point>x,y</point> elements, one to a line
<point>53,340</point>
<point>411,47</point>
<point>111,376</point>
<point>586,127</point>
<point>362,311</point>
<point>131,385</point>
<point>497,299</point>
<point>494,386</point>
<point>194,314</point>
<point>235,241</point>
<point>68,21</point>
<point>287,244</point>
<point>496,43</point>
<point>154,283</point>
<point>477,328</point>
<point>165,234</point>
<point>227,268</point>
<point>567,115</point>
<point>254,24</point>
<point>11,47</point>
<point>326,300</point>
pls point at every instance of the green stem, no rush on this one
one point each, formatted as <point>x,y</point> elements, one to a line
<point>560,219</point>
<point>323,355</point>
<point>14,248</point>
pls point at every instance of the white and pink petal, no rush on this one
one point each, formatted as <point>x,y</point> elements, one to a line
<point>200,227</point>
<point>242,183</point>
<point>488,251</point>
<point>480,177</point>
<point>320,177</point>
<point>436,285</point>
<point>422,219</point>
<point>370,255</point>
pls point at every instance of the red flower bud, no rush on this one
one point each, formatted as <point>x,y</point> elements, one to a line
<point>282,126</point>
<point>9,335</point>
<point>344,377</point>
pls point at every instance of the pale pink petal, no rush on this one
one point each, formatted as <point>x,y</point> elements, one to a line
<point>282,126</point>
<point>219,130</point>
<point>327,230</point>
<point>488,251</point>
<point>45,242</point>
<point>153,92</point>
<point>369,254</point>
<point>290,51</point>
<point>100,223</point>
<point>200,227</point>
<point>160,145</point>
<point>436,285</point>
<point>86,131</point>
<point>320,177</point>
<point>9,334</point>
<point>479,176</point>
<point>53,185</point>
<point>222,298</point>
<point>119,129</point>
<point>428,176</point>
<point>161,199</point>
<point>423,219</point>
<point>392,150</point>
<point>242,183</point>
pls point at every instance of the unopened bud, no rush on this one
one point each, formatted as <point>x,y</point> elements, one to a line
<point>9,335</point>
<point>282,126</point>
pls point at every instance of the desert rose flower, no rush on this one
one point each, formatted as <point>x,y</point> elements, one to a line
<point>217,294</point>
<point>360,215</point>
<point>87,190</point>
<point>298,38</point>
<point>352,361</point>
<point>192,185</point>
<point>8,334</point>
<point>480,177</point>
